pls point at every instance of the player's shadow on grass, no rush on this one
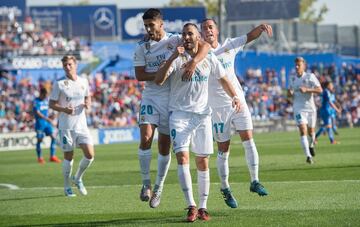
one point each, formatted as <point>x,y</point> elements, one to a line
<point>117,222</point>
<point>169,220</point>
<point>33,197</point>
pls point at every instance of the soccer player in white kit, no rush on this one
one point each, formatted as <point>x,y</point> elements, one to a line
<point>148,56</point>
<point>224,118</point>
<point>190,116</point>
<point>70,97</point>
<point>301,88</point>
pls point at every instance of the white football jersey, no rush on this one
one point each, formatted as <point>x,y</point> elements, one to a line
<point>303,101</point>
<point>192,95</point>
<point>226,54</point>
<point>151,54</point>
<point>71,93</point>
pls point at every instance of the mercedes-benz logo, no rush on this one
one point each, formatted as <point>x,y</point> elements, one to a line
<point>104,18</point>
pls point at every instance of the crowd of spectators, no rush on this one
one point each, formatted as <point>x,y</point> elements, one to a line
<point>266,92</point>
<point>116,98</point>
<point>115,102</point>
<point>28,39</point>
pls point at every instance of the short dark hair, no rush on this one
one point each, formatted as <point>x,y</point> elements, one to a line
<point>206,19</point>
<point>300,59</point>
<point>326,84</point>
<point>43,90</point>
<point>152,13</point>
<point>191,24</point>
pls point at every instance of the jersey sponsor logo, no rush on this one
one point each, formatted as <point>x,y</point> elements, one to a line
<point>154,64</point>
<point>159,60</point>
<point>43,107</point>
<point>225,64</point>
<point>196,78</point>
<point>161,57</point>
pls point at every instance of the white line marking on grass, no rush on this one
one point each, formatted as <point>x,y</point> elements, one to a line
<point>10,186</point>
<point>267,182</point>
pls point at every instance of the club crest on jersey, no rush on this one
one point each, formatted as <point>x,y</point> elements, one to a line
<point>183,57</point>
<point>66,83</point>
<point>170,47</point>
<point>227,51</point>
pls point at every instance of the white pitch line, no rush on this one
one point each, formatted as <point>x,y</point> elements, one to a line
<point>10,186</point>
<point>119,186</point>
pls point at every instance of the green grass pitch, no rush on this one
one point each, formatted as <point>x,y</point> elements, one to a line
<point>324,194</point>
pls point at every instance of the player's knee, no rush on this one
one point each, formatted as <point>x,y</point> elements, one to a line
<point>146,142</point>
<point>90,156</point>
<point>245,135</point>
<point>182,159</point>
<point>202,163</point>
<point>223,147</point>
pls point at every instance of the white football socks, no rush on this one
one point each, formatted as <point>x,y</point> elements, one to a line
<point>305,145</point>
<point>163,167</point>
<point>67,169</point>
<point>203,187</point>
<point>186,183</point>
<point>223,168</point>
<point>252,159</point>
<point>83,165</point>
<point>145,160</point>
<point>312,140</point>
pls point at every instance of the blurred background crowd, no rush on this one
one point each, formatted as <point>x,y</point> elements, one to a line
<point>116,98</point>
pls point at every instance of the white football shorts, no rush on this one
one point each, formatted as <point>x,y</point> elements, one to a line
<point>307,118</point>
<point>155,113</point>
<point>69,139</point>
<point>191,129</point>
<point>225,120</point>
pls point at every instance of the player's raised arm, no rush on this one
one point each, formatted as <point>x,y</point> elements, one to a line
<point>164,71</point>
<point>256,32</point>
<point>190,66</point>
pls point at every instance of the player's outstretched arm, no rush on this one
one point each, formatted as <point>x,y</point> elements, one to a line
<point>141,75</point>
<point>256,32</point>
<point>53,104</point>
<point>315,90</point>
<point>190,66</point>
<point>230,90</point>
<point>164,71</point>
